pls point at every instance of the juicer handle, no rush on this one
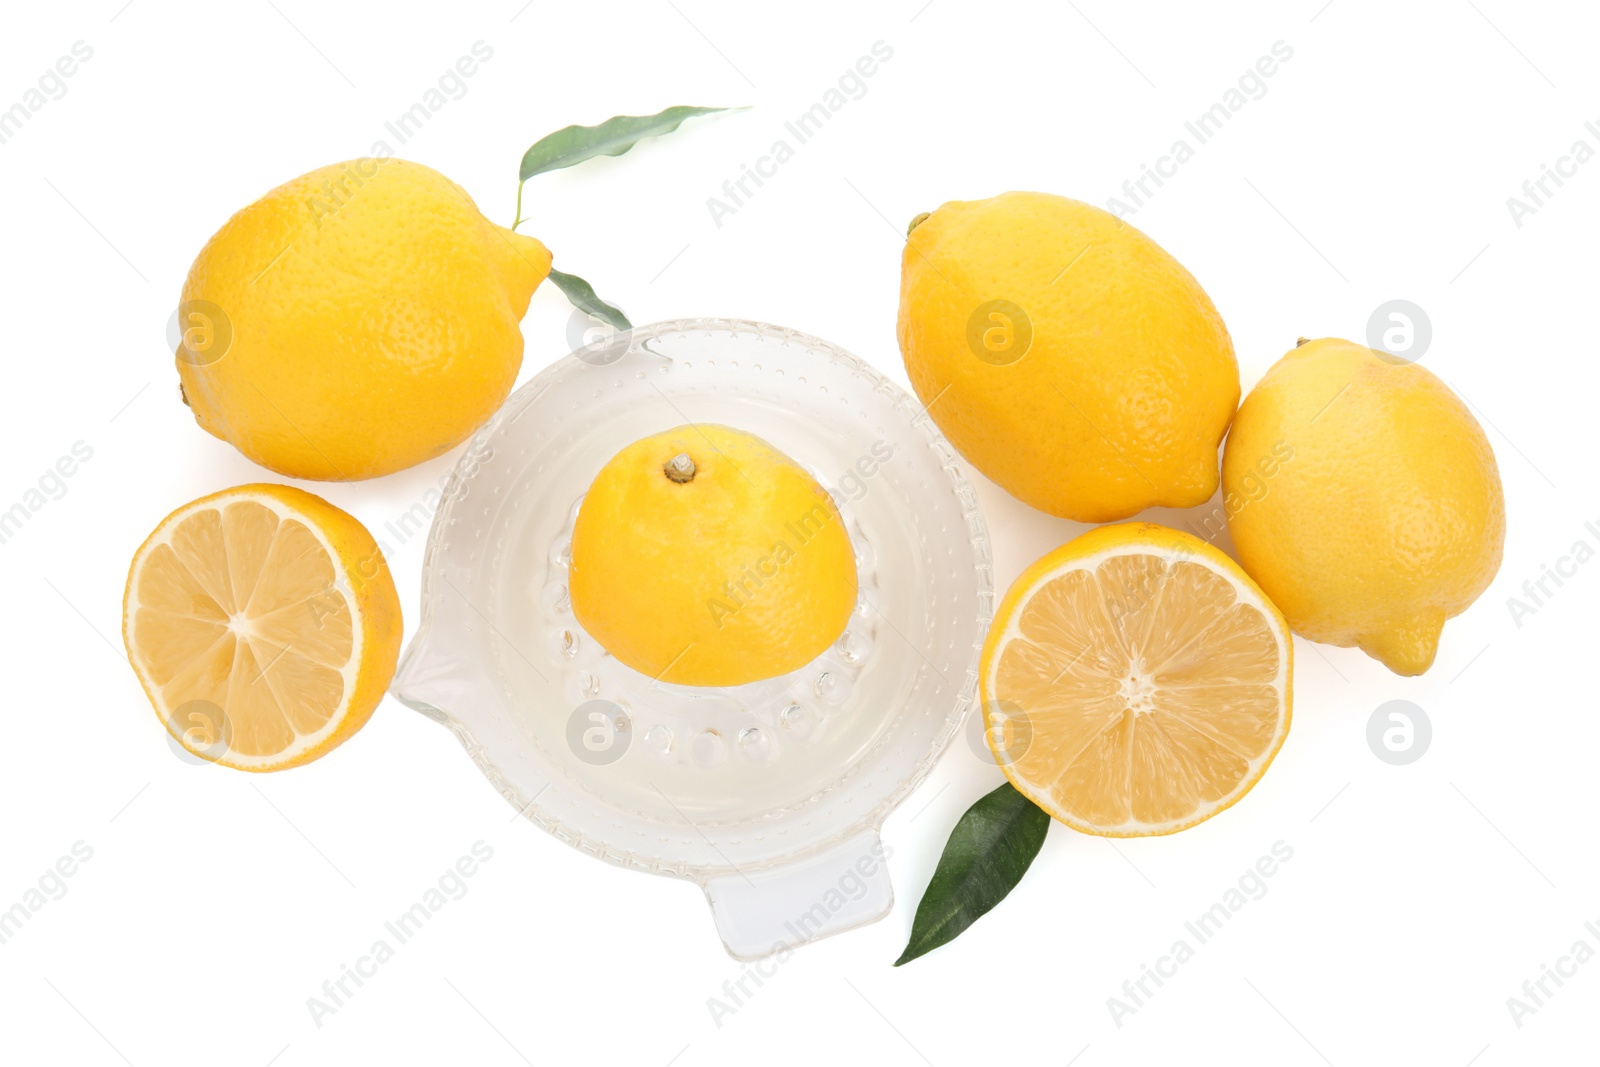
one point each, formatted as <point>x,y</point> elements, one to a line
<point>762,912</point>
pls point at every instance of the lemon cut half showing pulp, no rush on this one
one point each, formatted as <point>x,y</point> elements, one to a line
<point>263,624</point>
<point>1135,682</point>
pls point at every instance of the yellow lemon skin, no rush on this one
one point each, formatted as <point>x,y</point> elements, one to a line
<point>355,321</point>
<point>740,573</point>
<point>1365,500</point>
<point>1066,355</point>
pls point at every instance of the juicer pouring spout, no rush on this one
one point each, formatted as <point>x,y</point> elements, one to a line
<point>429,680</point>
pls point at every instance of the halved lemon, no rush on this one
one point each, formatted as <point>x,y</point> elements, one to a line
<point>263,624</point>
<point>1135,681</point>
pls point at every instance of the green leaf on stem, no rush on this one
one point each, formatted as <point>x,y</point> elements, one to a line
<point>581,294</point>
<point>987,854</point>
<point>614,136</point>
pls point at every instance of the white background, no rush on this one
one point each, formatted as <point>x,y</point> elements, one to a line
<point>1376,166</point>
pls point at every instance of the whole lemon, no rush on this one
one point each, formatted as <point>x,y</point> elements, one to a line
<point>1066,355</point>
<point>704,556</point>
<point>355,321</point>
<point>1364,498</point>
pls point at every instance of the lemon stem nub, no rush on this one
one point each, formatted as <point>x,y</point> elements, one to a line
<point>680,468</point>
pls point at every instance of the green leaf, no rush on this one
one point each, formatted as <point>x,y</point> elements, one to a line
<point>581,294</point>
<point>987,854</point>
<point>612,137</point>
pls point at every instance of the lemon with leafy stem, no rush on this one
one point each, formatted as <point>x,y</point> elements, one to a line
<point>704,556</point>
<point>365,316</point>
<point>355,321</point>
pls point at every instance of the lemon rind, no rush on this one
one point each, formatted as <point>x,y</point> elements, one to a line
<point>304,743</point>
<point>1245,590</point>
